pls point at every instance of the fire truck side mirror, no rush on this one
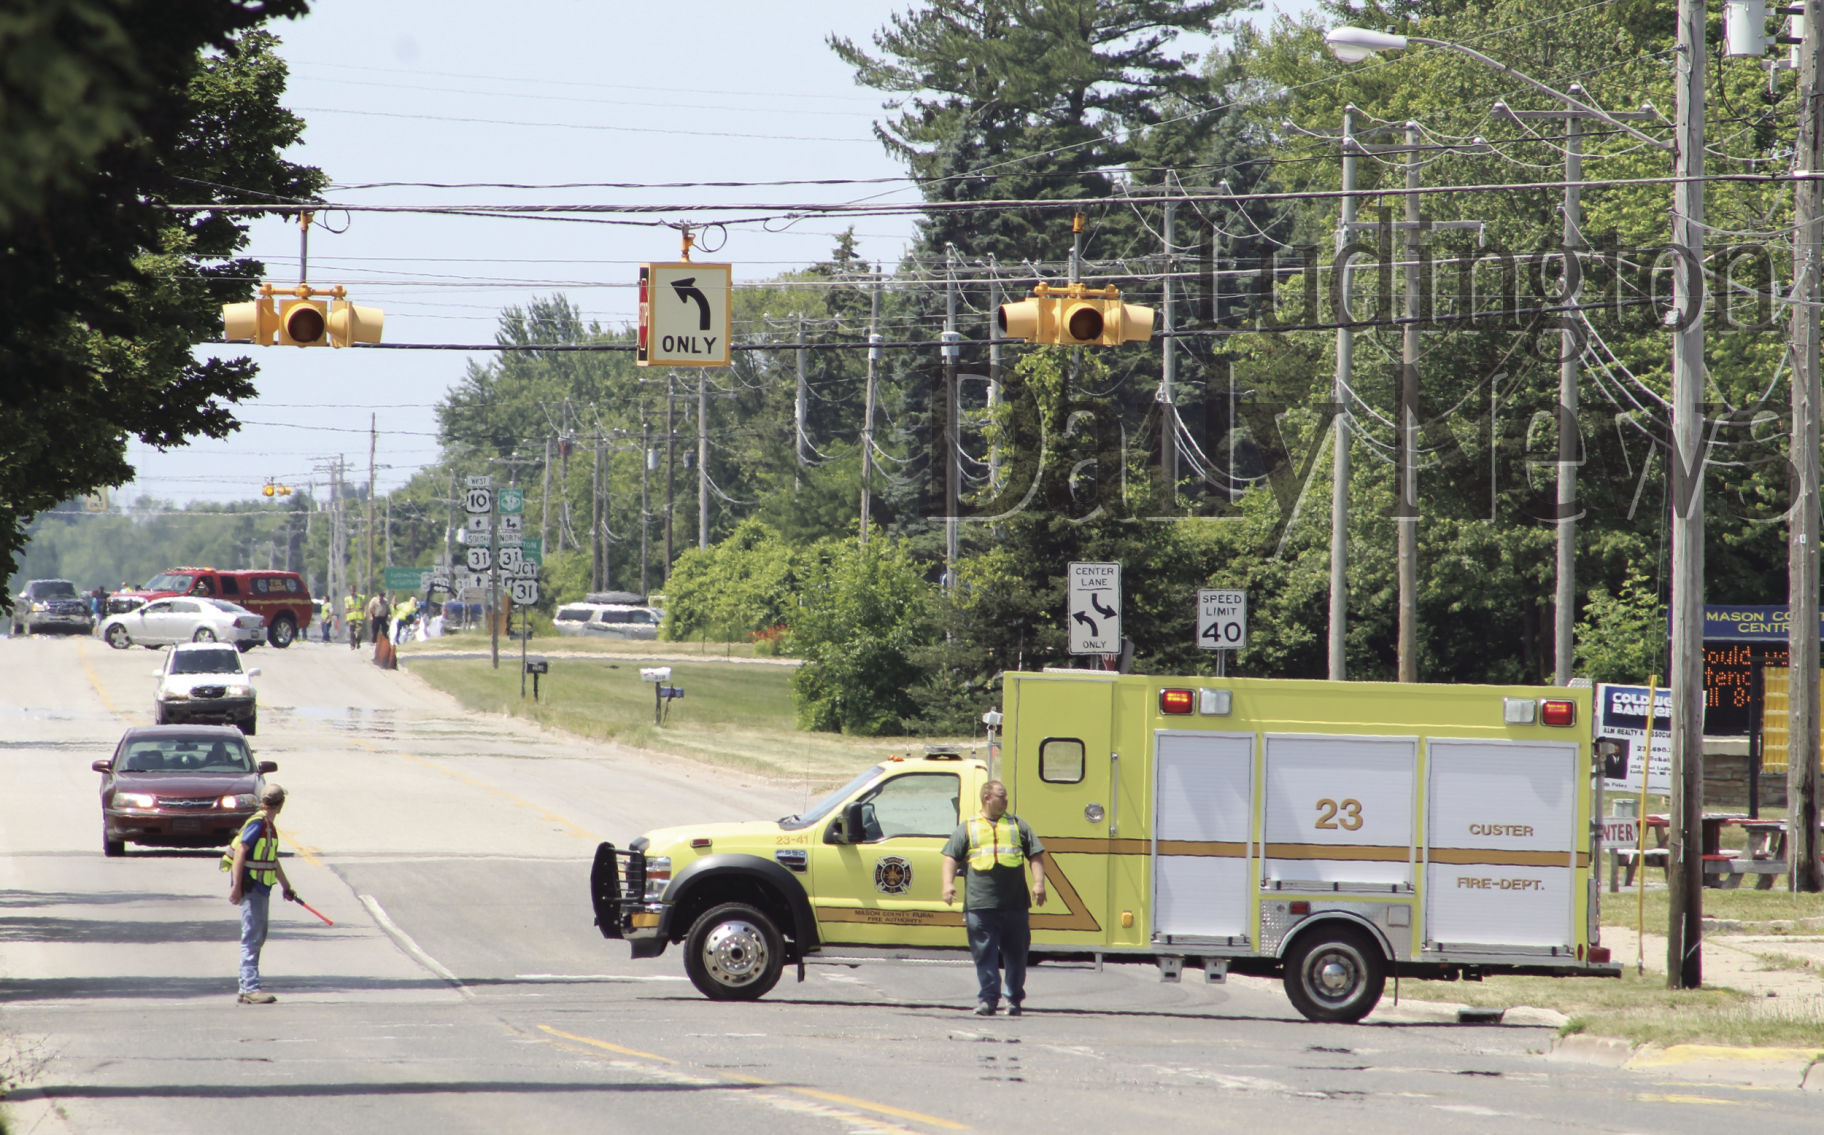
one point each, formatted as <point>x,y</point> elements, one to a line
<point>848,826</point>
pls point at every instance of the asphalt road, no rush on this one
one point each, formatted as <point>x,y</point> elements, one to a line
<point>464,989</point>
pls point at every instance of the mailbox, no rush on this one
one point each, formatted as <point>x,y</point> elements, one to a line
<point>538,666</point>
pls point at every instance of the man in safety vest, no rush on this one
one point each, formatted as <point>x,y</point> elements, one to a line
<point>354,613</point>
<point>997,848</point>
<point>255,869</point>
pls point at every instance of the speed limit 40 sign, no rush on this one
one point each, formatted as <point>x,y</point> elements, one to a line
<point>1222,619</point>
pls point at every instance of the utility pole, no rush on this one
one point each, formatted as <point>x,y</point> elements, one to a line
<point>867,411</point>
<point>671,438</point>
<point>1168,367</point>
<point>1339,466</point>
<point>544,500</point>
<point>702,457</point>
<point>1802,547</point>
<point>994,367</point>
<point>1685,473</point>
<point>953,426</point>
<point>373,442</point>
<point>1570,438</point>
<point>645,512</point>
<point>595,519</point>
<point>1407,512</point>
<point>799,406</point>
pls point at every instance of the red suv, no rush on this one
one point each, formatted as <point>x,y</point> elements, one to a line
<point>280,598</point>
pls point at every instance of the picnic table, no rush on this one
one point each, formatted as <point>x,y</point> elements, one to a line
<point>1764,854</point>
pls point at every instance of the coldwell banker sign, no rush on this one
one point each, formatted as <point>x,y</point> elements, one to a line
<point>1621,733</point>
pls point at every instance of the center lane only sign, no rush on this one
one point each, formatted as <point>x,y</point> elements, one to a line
<point>684,314</point>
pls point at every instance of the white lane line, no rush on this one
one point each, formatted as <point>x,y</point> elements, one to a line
<point>404,942</point>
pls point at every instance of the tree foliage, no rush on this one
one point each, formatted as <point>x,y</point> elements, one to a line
<point>107,112</point>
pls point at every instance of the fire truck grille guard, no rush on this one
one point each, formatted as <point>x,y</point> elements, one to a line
<point>617,879</point>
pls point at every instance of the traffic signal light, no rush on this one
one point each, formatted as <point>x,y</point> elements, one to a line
<point>301,320</point>
<point>1076,316</point>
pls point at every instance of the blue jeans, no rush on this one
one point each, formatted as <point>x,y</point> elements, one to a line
<point>254,906</point>
<point>998,940</point>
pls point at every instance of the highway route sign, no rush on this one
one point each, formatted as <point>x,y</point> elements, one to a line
<point>1222,619</point>
<point>684,314</point>
<point>1094,608</point>
<point>510,556</point>
<point>525,591</point>
<point>512,502</point>
<point>480,559</point>
<point>478,502</point>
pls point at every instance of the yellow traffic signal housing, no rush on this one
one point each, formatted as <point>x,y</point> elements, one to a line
<point>300,320</point>
<point>1034,320</point>
<point>268,490</point>
<point>1125,322</point>
<point>350,324</point>
<point>256,321</point>
<point>303,323</point>
<point>1076,316</point>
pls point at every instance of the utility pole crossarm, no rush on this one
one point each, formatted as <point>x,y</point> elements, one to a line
<point>1569,100</point>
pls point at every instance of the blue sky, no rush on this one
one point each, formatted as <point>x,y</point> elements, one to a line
<point>534,93</point>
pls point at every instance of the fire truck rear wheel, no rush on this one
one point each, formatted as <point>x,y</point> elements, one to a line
<point>1335,975</point>
<point>734,953</point>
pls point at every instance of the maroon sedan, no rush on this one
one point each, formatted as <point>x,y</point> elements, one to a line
<point>178,786</point>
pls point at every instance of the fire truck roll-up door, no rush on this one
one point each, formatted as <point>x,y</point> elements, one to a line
<point>1339,814</point>
<point>1501,865</point>
<point>1203,800</point>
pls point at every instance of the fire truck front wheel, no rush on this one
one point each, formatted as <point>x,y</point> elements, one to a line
<point>1335,975</point>
<point>734,953</point>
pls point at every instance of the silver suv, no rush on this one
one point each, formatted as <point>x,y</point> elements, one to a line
<point>51,604</point>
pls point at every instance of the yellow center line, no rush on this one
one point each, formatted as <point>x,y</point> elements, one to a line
<point>813,1093</point>
<point>88,667</point>
<point>606,1046</point>
<point>575,831</point>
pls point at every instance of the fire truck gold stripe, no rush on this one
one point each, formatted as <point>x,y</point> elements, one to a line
<point>1095,845</point>
<point>1076,914</point>
<point>1359,851</point>
<point>1467,855</point>
<point>1205,847</point>
<point>878,916</point>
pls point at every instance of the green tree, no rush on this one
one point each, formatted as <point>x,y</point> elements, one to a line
<point>107,112</point>
<point>865,611</point>
<point>1622,634</point>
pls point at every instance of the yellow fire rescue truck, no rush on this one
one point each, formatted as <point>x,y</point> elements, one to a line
<point>1329,833</point>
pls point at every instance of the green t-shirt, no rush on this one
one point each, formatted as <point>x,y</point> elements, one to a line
<point>998,888</point>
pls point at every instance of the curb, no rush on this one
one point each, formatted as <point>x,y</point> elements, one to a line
<point>1787,1068</point>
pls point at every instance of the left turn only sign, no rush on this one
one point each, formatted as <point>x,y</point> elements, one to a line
<point>684,314</point>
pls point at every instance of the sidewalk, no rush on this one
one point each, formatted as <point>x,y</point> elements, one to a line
<point>1763,965</point>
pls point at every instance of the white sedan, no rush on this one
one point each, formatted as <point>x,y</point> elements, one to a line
<point>186,618</point>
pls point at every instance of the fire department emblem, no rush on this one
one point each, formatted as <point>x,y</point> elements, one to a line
<point>892,876</point>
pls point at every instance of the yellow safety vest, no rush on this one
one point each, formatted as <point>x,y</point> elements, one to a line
<point>263,861</point>
<point>352,610</point>
<point>994,842</point>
